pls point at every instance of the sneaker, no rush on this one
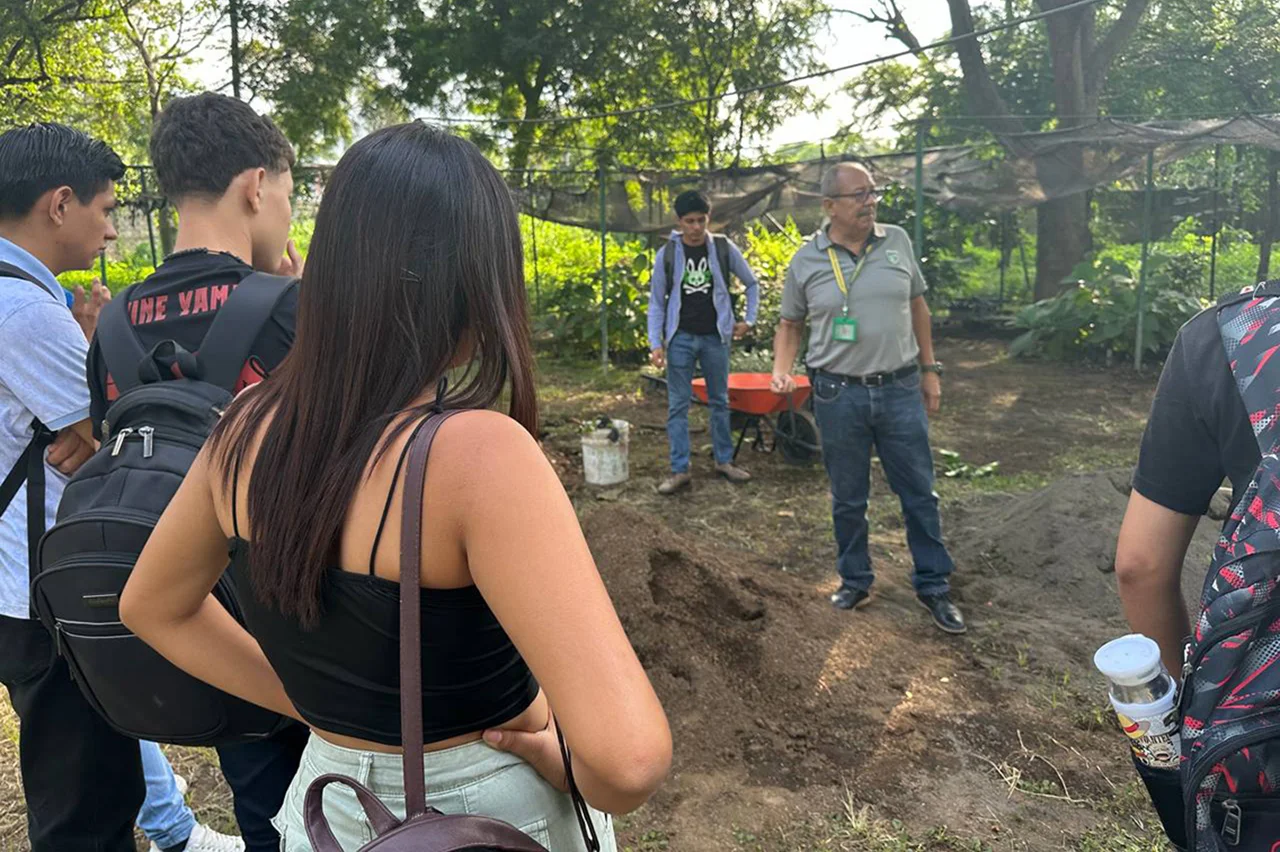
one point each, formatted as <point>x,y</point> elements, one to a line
<point>945,614</point>
<point>675,482</point>
<point>181,784</point>
<point>849,598</point>
<point>205,839</point>
<point>733,473</point>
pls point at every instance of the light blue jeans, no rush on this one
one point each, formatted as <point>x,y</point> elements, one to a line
<point>468,779</point>
<point>712,354</point>
<point>165,818</point>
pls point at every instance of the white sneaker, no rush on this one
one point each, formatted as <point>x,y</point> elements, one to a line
<point>205,839</point>
<point>181,784</point>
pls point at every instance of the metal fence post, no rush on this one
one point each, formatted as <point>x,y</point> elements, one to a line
<point>604,271</point>
<point>1146,249</point>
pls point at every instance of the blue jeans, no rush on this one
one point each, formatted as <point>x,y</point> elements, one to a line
<point>852,419</point>
<point>165,818</point>
<point>712,353</point>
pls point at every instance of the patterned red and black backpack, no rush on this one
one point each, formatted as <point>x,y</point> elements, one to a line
<point>1231,676</point>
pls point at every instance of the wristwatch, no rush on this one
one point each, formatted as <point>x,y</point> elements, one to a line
<point>935,367</point>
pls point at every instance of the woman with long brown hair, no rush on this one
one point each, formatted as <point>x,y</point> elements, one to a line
<point>415,274</point>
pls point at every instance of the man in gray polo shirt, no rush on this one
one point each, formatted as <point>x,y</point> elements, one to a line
<point>857,285</point>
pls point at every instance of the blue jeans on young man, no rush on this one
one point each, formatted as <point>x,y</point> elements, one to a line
<point>165,818</point>
<point>712,354</point>
<point>891,418</point>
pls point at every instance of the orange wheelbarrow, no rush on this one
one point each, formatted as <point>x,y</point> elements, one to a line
<point>753,406</point>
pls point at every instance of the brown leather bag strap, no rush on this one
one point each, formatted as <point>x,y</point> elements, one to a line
<point>381,820</point>
<point>411,740</point>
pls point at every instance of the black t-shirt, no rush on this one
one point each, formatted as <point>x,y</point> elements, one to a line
<point>1198,433</point>
<point>178,302</point>
<point>697,310</point>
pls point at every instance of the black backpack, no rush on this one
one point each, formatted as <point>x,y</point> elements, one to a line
<point>150,436</point>
<point>1230,699</point>
<point>29,467</point>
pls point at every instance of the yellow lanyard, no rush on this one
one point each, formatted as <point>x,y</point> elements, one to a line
<point>857,270</point>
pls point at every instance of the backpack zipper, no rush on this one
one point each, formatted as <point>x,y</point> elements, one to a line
<point>1231,823</point>
<point>148,434</point>
<point>120,439</point>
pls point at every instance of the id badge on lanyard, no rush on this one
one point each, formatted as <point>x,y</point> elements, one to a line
<point>845,328</point>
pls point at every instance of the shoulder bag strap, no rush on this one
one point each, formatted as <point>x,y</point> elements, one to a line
<point>411,739</point>
<point>411,731</point>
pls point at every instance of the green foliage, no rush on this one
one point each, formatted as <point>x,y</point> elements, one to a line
<point>954,467</point>
<point>768,252</point>
<point>1098,318</point>
<point>565,287</point>
<point>120,274</point>
<point>565,290</point>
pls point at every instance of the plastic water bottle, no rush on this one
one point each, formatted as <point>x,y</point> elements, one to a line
<point>1146,701</point>
<point>1145,698</point>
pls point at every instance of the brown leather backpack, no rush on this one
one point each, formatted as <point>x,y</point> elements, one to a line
<point>424,829</point>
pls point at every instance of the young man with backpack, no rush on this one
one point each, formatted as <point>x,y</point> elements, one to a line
<point>1214,418</point>
<point>228,171</point>
<point>691,322</point>
<point>83,781</point>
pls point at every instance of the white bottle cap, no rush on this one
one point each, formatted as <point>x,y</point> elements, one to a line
<point>1131,660</point>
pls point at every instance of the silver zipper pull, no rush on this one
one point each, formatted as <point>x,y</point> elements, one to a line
<point>1231,824</point>
<point>148,434</point>
<point>120,436</point>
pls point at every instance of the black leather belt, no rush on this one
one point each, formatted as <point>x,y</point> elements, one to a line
<point>874,380</point>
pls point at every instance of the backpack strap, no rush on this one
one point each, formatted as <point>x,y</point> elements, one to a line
<point>1250,328</point>
<point>8,270</point>
<point>29,468</point>
<point>121,349</point>
<point>722,254</point>
<point>235,329</point>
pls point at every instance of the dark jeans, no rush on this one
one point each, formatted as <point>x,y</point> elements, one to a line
<point>82,780</point>
<point>258,774</point>
<point>712,353</point>
<point>853,419</point>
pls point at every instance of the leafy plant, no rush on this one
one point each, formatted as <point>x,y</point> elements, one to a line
<point>953,467</point>
<point>1098,318</point>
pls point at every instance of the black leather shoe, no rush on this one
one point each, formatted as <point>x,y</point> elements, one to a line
<point>847,598</point>
<point>945,614</point>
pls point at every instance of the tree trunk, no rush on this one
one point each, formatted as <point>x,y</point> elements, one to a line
<point>1062,239</point>
<point>1080,64</point>
<point>1272,230</point>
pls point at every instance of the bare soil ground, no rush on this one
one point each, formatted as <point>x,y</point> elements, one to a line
<point>801,728</point>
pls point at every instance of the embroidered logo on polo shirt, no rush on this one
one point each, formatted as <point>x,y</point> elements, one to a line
<point>892,256</point>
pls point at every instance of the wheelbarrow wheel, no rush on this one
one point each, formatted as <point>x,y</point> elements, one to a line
<point>797,437</point>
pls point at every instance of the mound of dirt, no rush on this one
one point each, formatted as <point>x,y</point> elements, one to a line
<point>1047,559</point>
<point>734,649</point>
<point>780,704</point>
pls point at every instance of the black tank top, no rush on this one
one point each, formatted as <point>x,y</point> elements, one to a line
<point>343,675</point>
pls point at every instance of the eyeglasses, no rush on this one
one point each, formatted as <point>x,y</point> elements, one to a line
<point>862,196</point>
